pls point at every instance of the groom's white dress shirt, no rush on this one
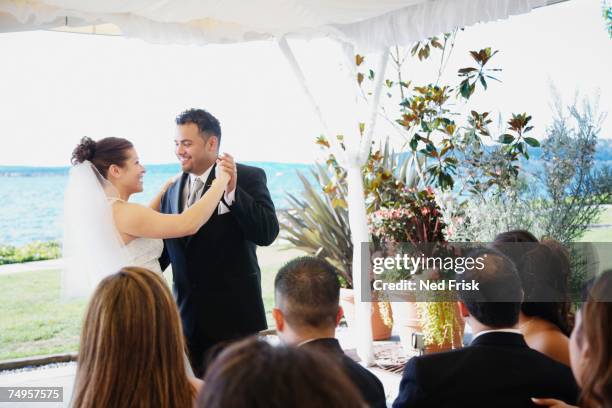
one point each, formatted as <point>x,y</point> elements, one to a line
<point>228,197</point>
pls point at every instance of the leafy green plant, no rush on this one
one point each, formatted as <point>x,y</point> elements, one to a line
<point>430,121</point>
<point>440,323</point>
<point>574,190</point>
<point>34,251</point>
<point>318,223</point>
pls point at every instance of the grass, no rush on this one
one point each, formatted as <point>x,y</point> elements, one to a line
<point>597,235</point>
<point>605,217</point>
<point>34,321</point>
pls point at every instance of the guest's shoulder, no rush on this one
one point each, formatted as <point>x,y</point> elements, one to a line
<point>552,343</point>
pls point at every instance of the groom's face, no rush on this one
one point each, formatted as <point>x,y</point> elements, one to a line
<point>195,152</point>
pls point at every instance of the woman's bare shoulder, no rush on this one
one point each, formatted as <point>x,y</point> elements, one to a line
<point>550,342</point>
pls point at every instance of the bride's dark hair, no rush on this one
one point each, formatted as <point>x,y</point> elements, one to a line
<point>103,153</point>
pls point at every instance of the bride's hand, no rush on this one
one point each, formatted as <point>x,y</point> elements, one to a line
<point>169,182</point>
<point>221,172</point>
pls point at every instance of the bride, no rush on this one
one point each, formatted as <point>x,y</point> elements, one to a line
<point>103,231</point>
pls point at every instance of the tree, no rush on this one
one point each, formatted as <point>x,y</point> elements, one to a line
<point>574,188</point>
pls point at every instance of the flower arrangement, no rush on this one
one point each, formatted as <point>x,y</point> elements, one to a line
<point>419,220</point>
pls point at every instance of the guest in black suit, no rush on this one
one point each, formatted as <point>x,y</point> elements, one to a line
<point>217,281</point>
<point>498,369</point>
<point>307,293</point>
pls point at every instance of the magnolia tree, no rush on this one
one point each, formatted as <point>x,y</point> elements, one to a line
<point>445,146</point>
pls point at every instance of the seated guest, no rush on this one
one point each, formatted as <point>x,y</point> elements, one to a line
<point>544,270</point>
<point>254,374</point>
<point>132,347</point>
<point>591,348</point>
<point>519,236</point>
<point>497,369</point>
<point>307,293</point>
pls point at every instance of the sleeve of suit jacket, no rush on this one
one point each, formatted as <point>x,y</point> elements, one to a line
<point>410,394</point>
<point>254,209</point>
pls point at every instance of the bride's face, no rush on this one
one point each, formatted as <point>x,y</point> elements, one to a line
<point>131,173</point>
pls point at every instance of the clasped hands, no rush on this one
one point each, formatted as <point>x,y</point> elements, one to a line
<point>227,165</point>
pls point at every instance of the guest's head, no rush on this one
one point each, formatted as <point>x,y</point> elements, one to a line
<point>254,374</point>
<point>515,236</point>
<point>591,345</point>
<point>115,159</point>
<point>496,303</point>
<point>514,243</point>
<point>197,141</point>
<point>131,352</point>
<point>544,273</point>
<point>307,293</point>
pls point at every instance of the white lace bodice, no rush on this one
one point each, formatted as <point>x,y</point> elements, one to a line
<point>145,253</point>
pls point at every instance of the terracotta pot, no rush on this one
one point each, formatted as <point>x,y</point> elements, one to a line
<point>406,321</point>
<point>380,331</point>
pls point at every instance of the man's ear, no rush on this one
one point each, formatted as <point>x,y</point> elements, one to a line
<point>339,315</point>
<point>212,142</point>
<point>463,309</point>
<point>279,319</point>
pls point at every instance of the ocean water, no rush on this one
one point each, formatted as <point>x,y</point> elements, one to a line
<point>32,198</point>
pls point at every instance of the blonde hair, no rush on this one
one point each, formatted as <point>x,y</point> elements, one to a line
<point>132,346</point>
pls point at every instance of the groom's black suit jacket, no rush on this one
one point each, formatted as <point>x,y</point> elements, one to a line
<point>217,281</point>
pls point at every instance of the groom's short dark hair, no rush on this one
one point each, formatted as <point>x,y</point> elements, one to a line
<point>307,291</point>
<point>205,122</point>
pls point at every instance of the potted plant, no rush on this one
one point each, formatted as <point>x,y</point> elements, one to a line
<point>418,223</point>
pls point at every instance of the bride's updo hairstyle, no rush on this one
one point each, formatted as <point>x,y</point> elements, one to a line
<point>103,153</point>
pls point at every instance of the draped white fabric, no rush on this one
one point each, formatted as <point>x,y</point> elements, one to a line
<point>369,25</point>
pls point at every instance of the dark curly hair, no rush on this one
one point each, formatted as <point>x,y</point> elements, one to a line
<point>103,153</point>
<point>206,122</point>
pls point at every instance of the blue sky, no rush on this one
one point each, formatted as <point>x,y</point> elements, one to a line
<point>57,87</point>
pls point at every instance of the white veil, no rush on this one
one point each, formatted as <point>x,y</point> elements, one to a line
<point>92,247</point>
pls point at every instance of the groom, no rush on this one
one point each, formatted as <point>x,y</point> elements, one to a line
<point>217,282</point>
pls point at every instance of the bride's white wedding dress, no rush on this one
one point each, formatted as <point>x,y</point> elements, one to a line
<point>145,253</point>
<point>93,248</point>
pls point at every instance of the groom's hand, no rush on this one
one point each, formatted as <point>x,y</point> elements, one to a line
<point>228,164</point>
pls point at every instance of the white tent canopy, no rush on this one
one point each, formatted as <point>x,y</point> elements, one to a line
<point>369,26</point>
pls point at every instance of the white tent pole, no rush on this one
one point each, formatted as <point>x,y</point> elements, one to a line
<point>295,66</point>
<point>297,71</point>
<point>358,219</point>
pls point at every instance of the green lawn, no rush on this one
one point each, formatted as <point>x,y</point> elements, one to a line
<point>33,320</point>
<point>597,235</point>
<point>605,217</point>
